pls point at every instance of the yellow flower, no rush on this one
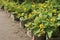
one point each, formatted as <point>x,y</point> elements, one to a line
<point>24,9</point>
<point>33,6</point>
<point>18,14</point>
<point>54,11</point>
<point>25,17</point>
<point>18,6</point>
<point>52,19</point>
<point>34,12</point>
<point>41,5</point>
<point>30,15</point>
<point>11,3</point>
<point>41,26</point>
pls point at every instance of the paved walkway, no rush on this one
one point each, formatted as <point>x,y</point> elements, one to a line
<point>10,30</point>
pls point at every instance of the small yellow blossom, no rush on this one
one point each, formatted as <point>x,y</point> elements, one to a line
<point>18,7</point>
<point>41,26</point>
<point>18,14</point>
<point>33,6</point>
<point>34,12</point>
<point>41,5</point>
<point>30,15</point>
<point>24,9</point>
<point>54,11</point>
<point>25,17</point>
<point>52,19</point>
<point>11,3</point>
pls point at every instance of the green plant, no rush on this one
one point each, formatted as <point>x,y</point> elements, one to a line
<point>41,17</point>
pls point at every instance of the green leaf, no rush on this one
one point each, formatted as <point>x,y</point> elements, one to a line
<point>32,27</point>
<point>58,17</point>
<point>58,23</point>
<point>49,33</point>
<point>36,30</point>
<point>50,14</point>
<point>36,20</point>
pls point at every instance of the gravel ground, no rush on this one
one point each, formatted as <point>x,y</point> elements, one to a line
<point>10,30</point>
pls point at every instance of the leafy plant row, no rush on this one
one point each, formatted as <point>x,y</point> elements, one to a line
<point>40,17</point>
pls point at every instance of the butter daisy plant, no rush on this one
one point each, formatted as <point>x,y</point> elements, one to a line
<point>45,19</point>
<point>41,17</point>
